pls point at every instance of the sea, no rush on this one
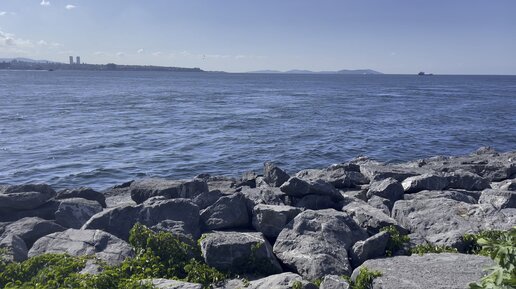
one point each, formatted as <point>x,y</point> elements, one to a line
<point>102,128</point>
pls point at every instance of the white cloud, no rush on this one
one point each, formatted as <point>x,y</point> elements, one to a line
<point>10,40</point>
<point>2,13</point>
<point>44,3</point>
<point>70,7</point>
<point>120,54</point>
<point>157,53</point>
<point>100,53</point>
<point>140,51</point>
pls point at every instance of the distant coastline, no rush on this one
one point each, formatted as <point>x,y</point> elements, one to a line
<point>29,64</point>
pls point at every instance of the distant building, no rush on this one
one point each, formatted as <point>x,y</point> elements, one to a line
<point>78,60</point>
<point>71,59</point>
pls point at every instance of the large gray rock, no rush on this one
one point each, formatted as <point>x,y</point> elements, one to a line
<point>340,176</point>
<point>160,283</point>
<point>381,204</point>
<point>389,189</point>
<point>239,252</point>
<point>369,218</point>
<point>430,271</point>
<point>273,175</point>
<point>263,195</point>
<point>443,221</point>
<point>119,220</point>
<point>298,188</point>
<point>465,180</point>
<point>24,197</point>
<point>334,282</point>
<point>45,211</point>
<point>371,248</point>
<point>32,228</point>
<point>74,242</point>
<point>271,219</point>
<point>485,162</point>
<point>84,193</point>
<point>424,182</point>
<point>144,189</point>
<point>498,199</point>
<point>315,243</point>
<point>15,248</point>
<point>73,213</point>
<point>375,171</point>
<point>281,281</point>
<point>207,199</point>
<point>461,196</point>
<point>227,212</point>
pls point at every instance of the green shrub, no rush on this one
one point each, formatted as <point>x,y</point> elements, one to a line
<point>472,241</point>
<point>158,255</point>
<point>396,240</point>
<point>364,279</point>
<point>297,285</point>
<point>501,247</point>
<point>429,248</point>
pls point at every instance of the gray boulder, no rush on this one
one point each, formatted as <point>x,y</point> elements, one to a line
<point>381,204</point>
<point>84,193</point>
<point>389,189</point>
<point>334,282</point>
<point>227,212</point>
<point>45,211</point>
<point>369,218</point>
<point>424,182</point>
<point>119,220</point>
<point>271,219</point>
<point>25,197</point>
<point>281,281</point>
<point>375,171</point>
<point>207,199</point>
<point>273,175</point>
<point>461,196</point>
<point>74,212</point>
<point>498,199</point>
<point>430,271</point>
<point>443,221</point>
<point>340,176</point>
<point>15,248</point>
<point>298,188</point>
<point>160,283</point>
<point>263,195</point>
<point>371,248</point>
<point>316,202</point>
<point>31,229</point>
<point>508,185</point>
<point>239,252</point>
<point>144,189</point>
<point>74,242</point>
<point>465,180</point>
<point>315,243</point>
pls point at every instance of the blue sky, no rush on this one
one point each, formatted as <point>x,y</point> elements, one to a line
<point>392,36</point>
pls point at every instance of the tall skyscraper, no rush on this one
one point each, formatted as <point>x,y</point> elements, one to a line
<point>71,59</point>
<point>78,60</point>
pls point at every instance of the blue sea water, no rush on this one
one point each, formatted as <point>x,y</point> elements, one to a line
<point>90,128</point>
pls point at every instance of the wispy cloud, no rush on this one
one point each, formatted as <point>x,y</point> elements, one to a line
<point>120,54</point>
<point>44,3</point>
<point>157,53</point>
<point>140,51</point>
<point>2,13</point>
<point>70,7</point>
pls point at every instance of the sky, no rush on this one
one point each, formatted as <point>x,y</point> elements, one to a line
<point>391,36</point>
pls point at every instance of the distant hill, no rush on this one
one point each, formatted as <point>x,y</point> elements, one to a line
<point>299,71</point>
<point>28,60</point>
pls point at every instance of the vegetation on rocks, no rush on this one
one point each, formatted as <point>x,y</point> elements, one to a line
<point>396,240</point>
<point>364,279</point>
<point>430,248</point>
<point>158,255</point>
<point>500,246</point>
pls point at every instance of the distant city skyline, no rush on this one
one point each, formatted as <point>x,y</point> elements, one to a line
<point>399,36</point>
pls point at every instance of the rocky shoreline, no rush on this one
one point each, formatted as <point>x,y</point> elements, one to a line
<point>277,228</point>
